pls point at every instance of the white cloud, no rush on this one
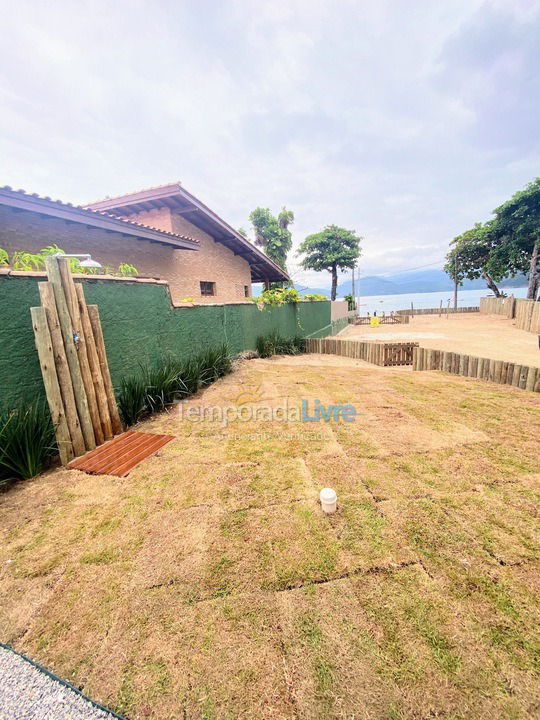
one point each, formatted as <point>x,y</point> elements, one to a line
<point>406,122</point>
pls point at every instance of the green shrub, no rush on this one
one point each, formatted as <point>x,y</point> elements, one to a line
<point>165,382</point>
<point>274,344</point>
<point>132,399</point>
<point>26,442</point>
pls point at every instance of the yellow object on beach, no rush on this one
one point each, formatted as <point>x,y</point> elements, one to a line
<point>374,322</point>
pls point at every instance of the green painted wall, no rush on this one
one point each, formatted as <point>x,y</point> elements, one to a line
<point>139,325</point>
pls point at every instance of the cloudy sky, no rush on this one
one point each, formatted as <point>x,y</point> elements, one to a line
<point>405,120</point>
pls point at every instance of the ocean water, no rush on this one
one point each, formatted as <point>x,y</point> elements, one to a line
<point>466,298</point>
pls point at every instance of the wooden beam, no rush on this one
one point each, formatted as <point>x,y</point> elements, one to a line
<point>53,273</point>
<point>73,306</point>
<point>93,313</point>
<point>95,366</point>
<point>46,293</point>
<point>50,380</point>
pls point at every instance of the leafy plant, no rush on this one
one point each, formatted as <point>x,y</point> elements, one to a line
<point>351,302</point>
<point>168,380</point>
<point>272,233</point>
<point>278,296</point>
<point>127,270</point>
<point>26,442</point>
<point>26,261</point>
<point>275,344</point>
<point>313,297</point>
<point>132,399</point>
<point>4,257</point>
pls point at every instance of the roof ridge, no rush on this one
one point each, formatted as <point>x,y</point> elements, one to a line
<point>176,183</point>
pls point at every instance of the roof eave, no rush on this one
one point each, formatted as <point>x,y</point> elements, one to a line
<point>226,232</point>
<point>90,218</point>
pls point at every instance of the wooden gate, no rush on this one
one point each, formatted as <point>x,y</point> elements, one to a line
<point>398,353</point>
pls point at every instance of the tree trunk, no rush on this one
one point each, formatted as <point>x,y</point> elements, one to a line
<point>534,272</point>
<point>491,284</point>
<point>334,283</point>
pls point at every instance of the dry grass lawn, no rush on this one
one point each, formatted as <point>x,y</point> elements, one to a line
<point>208,584</point>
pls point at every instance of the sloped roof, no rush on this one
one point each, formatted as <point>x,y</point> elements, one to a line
<point>178,199</point>
<point>21,200</point>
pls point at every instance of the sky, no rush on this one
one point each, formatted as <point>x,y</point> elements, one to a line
<point>404,120</point>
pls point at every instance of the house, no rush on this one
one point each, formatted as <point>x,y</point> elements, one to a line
<point>165,232</point>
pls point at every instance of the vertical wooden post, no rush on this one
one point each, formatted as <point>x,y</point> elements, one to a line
<point>53,272</point>
<point>95,367</point>
<point>46,293</point>
<point>73,305</point>
<point>50,380</point>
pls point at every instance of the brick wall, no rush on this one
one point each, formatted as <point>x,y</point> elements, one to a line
<point>184,269</point>
<point>212,263</point>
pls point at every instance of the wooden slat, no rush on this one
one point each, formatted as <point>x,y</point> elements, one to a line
<point>50,380</point>
<point>46,293</point>
<point>116,423</point>
<point>120,455</point>
<point>53,273</point>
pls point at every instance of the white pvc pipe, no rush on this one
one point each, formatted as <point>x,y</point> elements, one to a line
<point>328,500</point>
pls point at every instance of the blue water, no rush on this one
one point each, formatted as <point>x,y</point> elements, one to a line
<point>466,298</point>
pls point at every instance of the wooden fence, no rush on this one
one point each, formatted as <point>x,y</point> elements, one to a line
<point>378,353</point>
<point>383,319</point>
<point>525,312</point>
<point>498,371</point>
<point>439,311</point>
<point>498,306</point>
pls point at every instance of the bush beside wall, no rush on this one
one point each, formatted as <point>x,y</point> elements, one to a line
<point>140,326</point>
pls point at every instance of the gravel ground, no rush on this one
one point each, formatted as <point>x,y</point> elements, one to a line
<point>27,693</point>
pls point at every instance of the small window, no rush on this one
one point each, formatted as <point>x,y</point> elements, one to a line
<point>246,290</point>
<point>208,288</point>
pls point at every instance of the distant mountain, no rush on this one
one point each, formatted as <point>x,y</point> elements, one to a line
<point>418,281</point>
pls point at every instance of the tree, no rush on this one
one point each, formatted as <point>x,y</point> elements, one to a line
<point>518,220</point>
<point>472,256</point>
<point>332,249</point>
<point>273,234</point>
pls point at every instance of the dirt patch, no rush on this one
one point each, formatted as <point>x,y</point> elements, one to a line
<point>476,334</point>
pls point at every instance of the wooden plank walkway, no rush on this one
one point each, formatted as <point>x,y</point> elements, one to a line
<point>121,454</point>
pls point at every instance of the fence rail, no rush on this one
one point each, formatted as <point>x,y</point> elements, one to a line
<point>498,371</point>
<point>378,353</point>
<point>525,312</point>
<point>439,310</point>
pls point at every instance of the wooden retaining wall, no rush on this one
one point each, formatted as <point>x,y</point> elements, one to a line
<point>437,311</point>
<point>498,371</point>
<point>525,312</point>
<point>378,353</point>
